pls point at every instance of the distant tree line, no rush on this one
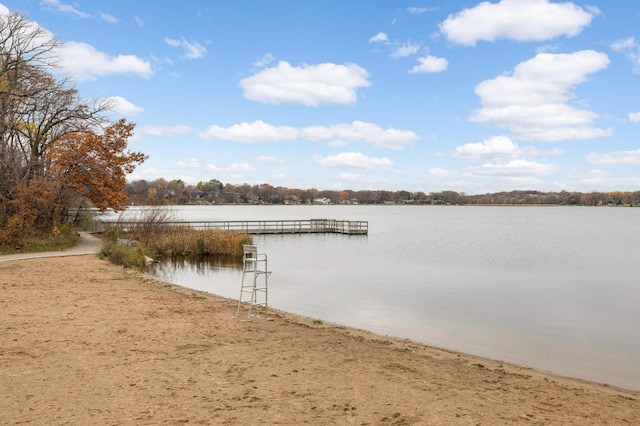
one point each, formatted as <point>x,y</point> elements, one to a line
<point>161,191</point>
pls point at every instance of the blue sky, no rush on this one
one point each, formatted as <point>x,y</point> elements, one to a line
<point>426,96</point>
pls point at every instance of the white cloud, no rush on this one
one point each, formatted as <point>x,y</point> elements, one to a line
<point>266,59</point>
<point>165,130</point>
<point>35,36</point>
<point>361,179</point>
<point>192,163</point>
<point>514,168</point>
<point>405,50</point>
<point>625,45</point>
<point>532,101</point>
<point>634,117</point>
<point>191,50</point>
<point>359,131</point>
<point>594,179</point>
<point>310,85</point>
<point>254,132</point>
<point>352,160</point>
<point>548,48</point>
<point>443,173</point>
<point>379,38</point>
<point>239,167</point>
<point>420,10</point>
<point>149,173</point>
<point>86,63</point>
<point>617,157</point>
<point>108,18</point>
<point>66,9</point>
<point>429,64</point>
<point>122,106</point>
<point>595,11</point>
<point>494,147</point>
<point>335,135</point>
<point>520,20</point>
<point>499,149</point>
<point>268,159</point>
<point>631,49</point>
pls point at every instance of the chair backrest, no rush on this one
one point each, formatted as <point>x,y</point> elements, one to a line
<point>250,252</point>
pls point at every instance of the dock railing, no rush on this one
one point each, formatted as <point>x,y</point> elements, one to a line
<point>294,226</point>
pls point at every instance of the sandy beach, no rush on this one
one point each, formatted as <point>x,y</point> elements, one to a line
<point>87,342</point>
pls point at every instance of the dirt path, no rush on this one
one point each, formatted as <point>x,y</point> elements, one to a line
<point>86,342</point>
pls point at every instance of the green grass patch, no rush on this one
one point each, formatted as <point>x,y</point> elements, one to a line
<point>129,257</point>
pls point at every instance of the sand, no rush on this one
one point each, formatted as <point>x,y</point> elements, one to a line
<point>87,342</point>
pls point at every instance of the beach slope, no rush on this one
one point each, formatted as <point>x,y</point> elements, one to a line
<point>87,342</point>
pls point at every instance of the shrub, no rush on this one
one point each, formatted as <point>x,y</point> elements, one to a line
<point>12,240</point>
<point>129,257</point>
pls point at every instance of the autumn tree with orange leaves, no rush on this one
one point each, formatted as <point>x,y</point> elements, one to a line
<point>58,152</point>
<point>94,166</point>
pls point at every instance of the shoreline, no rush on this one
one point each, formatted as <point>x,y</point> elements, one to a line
<point>311,322</point>
<point>486,358</point>
<point>88,342</point>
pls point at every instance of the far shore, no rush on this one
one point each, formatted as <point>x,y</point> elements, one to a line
<point>87,342</point>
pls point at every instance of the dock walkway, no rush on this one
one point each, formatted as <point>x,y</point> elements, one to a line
<point>295,226</point>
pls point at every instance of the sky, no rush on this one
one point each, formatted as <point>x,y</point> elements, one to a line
<point>417,95</point>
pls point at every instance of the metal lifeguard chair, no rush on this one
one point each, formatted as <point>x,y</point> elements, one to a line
<point>255,278</point>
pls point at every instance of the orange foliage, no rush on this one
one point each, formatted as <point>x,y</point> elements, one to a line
<point>95,165</point>
<point>35,208</point>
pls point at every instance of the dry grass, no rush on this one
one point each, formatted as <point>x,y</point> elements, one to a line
<point>193,242</point>
<point>154,235</point>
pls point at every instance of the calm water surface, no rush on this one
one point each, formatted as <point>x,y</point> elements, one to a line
<point>555,288</point>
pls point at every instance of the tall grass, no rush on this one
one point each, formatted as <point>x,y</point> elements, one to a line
<point>193,242</point>
<point>154,236</point>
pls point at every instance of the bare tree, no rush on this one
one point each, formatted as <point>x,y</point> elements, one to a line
<point>36,109</point>
<point>40,114</point>
<point>24,48</point>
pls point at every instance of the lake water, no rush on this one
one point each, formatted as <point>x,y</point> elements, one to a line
<point>554,288</point>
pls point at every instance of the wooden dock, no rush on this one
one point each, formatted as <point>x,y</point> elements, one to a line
<point>257,227</point>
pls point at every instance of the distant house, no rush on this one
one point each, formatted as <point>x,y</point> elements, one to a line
<point>291,199</point>
<point>322,200</point>
<point>350,201</point>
